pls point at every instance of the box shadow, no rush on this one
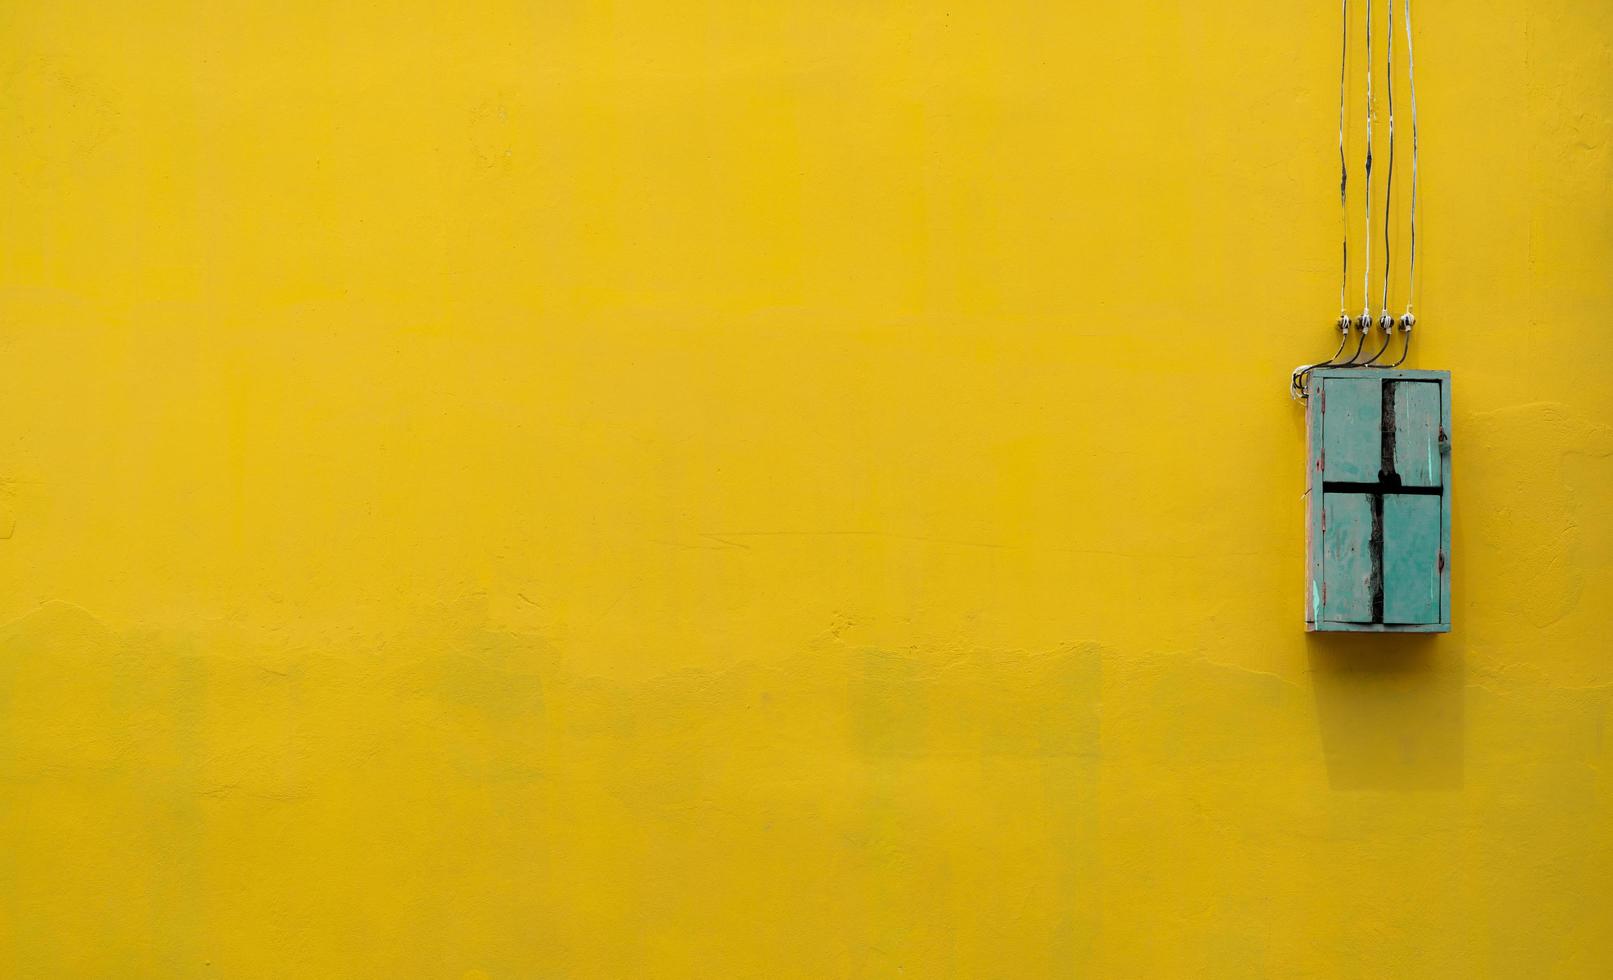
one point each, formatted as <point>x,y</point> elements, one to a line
<point>1391,710</point>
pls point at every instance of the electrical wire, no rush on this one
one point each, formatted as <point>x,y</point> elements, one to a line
<point>1411,76</point>
<point>1386,323</point>
<point>1298,386</point>
<point>1360,342</point>
<point>1344,167</point>
<point>1299,380</point>
<point>1405,348</point>
<point>1389,174</point>
<point>1408,319</point>
<point>1366,270</point>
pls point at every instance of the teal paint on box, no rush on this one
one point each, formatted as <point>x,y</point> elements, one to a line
<point>1378,499</point>
<point>1351,446</point>
<point>1417,422</point>
<point>1411,549</point>
<point>1347,556</point>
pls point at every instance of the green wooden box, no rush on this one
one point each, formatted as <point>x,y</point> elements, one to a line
<point>1378,502</point>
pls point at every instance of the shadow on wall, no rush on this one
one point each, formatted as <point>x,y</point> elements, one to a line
<point>1390,710</point>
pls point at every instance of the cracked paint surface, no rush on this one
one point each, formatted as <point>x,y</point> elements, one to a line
<point>730,490</point>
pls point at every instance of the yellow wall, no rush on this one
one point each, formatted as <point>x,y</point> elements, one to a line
<point>727,489</point>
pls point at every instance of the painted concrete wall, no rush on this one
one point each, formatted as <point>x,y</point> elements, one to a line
<point>756,490</point>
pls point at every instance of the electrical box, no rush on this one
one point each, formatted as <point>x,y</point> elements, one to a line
<point>1378,501</point>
